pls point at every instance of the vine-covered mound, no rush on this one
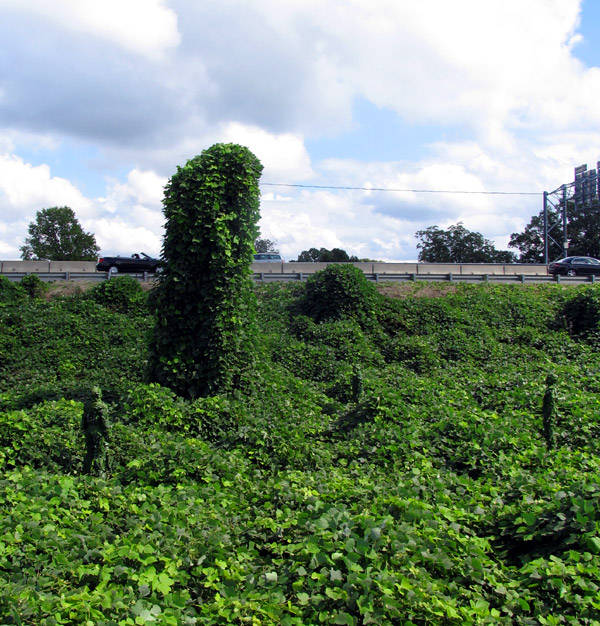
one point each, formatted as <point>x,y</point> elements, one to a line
<point>384,464</point>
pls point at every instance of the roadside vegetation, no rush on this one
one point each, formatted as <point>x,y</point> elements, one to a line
<point>386,461</point>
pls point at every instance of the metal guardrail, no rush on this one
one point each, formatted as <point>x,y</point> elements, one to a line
<point>450,277</point>
<point>50,277</point>
<point>268,277</point>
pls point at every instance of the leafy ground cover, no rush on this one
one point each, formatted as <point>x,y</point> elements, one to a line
<point>382,466</point>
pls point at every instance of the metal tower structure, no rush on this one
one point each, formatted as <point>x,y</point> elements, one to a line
<point>555,219</point>
<point>582,193</point>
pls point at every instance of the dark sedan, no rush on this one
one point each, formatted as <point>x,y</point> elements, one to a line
<point>136,263</point>
<point>575,266</point>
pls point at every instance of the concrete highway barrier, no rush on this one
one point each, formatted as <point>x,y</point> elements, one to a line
<point>30,267</point>
<point>420,269</point>
<point>72,266</point>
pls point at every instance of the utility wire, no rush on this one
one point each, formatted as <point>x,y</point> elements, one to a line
<point>485,193</point>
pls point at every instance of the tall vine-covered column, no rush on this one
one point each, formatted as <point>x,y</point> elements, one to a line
<point>204,306</point>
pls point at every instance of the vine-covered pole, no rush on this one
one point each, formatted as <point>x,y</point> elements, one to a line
<point>204,304</point>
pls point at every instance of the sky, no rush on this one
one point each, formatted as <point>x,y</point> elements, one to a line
<point>101,101</point>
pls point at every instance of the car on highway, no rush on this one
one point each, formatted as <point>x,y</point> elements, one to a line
<point>267,257</point>
<point>575,266</point>
<point>134,264</point>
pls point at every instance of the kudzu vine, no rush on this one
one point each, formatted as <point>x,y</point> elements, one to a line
<point>204,306</point>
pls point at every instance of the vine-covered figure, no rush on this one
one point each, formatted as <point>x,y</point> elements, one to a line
<point>356,383</point>
<point>94,424</point>
<point>548,411</point>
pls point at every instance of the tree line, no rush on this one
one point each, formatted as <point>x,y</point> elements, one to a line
<point>57,235</point>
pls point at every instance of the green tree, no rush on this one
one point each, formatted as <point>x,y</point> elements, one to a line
<point>457,244</point>
<point>265,245</point>
<point>204,304</point>
<point>530,242</point>
<point>583,233</point>
<point>309,256</point>
<point>56,235</point>
<point>583,230</point>
<point>335,255</point>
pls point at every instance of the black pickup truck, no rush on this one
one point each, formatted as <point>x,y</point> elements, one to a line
<point>134,264</point>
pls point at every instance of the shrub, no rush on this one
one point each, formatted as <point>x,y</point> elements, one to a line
<point>33,286</point>
<point>212,418</point>
<point>204,306</point>
<point>122,294</point>
<point>337,292</point>
<point>46,436</point>
<point>348,341</point>
<point>149,406</point>
<point>581,312</point>
<point>64,341</point>
<point>9,291</point>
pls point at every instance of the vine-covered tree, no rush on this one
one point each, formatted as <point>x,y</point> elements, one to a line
<point>457,244</point>
<point>204,304</point>
<point>57,235</point>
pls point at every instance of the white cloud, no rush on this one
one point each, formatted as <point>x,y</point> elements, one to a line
<point>483,64</point>
<point>276,75</point>
<point>25,189</point>
<point>146,27</point>
<point>479,63</point>
<point>116,236</point>
<point>382,224</point>
<point>302,223</point>
<point>283,156</point>
<point>144,187</point>
<point>129,218</point>
<point>131,214</point>
<point>329,219</point>
<point>147,187</point>
<point>495,67</point>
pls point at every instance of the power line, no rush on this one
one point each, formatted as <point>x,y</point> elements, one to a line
<point>485,193</point>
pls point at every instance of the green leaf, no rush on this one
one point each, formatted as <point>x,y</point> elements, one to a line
<point>344,618</point>
<point>593,544</point>
<point>271,577</point>
<point>162,583</point>
<point>303,598</point>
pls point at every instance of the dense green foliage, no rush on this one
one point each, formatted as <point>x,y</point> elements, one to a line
<point>388,465</point>
<point>33,285</point>
<point>123,294</point>
<point>457,244</point>
<point>530,242</point>
<point>323,255</point>
<point>57,235</point>
<point>583,228</point>
<point>204,306</point>
<point>11,291</point>
<point>265,245</point>
<point>338,292</point>
<point>581,313</point>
